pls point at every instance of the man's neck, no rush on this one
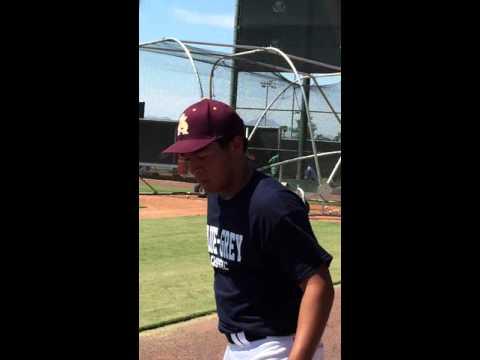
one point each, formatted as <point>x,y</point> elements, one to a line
<point>246,173</point>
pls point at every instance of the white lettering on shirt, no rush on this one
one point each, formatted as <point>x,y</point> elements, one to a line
<point>223,246</point>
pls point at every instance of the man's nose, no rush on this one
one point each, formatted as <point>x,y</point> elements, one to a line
<point>194,165</point>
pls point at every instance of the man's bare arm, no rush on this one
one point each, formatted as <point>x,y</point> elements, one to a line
<point>315,309</point>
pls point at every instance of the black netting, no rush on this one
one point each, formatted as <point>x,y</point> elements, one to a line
<point>168,84</point>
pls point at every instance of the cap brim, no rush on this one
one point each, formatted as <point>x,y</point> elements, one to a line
<point>188,146</point>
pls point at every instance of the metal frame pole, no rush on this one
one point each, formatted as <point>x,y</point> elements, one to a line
<point>234,78</point>
<point>248,47</point>
<point>259,119</point>
<point>302,134</point>
<point>326,99</point>
<point>334,171</point>
<point>187,51</point>
<point>298,80</point>
<point>297,159</point>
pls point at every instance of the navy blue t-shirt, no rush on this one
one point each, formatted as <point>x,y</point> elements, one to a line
<point>261,246</point>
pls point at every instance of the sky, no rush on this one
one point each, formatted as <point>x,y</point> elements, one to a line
<point>196,20</point>
<point>167,84</point>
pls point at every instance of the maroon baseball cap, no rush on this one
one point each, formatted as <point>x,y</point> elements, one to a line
<point>203,123</point>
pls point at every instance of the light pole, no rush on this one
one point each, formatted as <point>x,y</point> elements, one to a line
<point>267,84</point>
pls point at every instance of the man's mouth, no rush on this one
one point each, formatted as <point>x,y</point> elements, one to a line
<point>201,178</point>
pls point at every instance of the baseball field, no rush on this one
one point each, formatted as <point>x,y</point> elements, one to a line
<point>175,273</point>
<point>164,186</point>
<point>176,276</point>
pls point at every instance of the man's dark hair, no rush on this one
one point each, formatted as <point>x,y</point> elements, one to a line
<point>224,141</point>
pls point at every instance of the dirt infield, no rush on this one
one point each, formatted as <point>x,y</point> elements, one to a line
<point>199,339</point>
<point>168,206</point>
<point>164,206</point>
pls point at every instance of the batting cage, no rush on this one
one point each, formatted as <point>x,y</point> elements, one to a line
<point>292,118</point>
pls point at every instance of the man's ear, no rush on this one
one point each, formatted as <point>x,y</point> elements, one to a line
<point>237,144</point>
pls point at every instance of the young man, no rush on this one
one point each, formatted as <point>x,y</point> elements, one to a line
<point>272,285</point>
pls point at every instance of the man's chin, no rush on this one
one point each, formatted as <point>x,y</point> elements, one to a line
<point>204,185</point>
<point>209,188</point>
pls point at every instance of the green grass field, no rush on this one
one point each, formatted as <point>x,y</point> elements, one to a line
<point>328,235</point>
<point>175,273</point>
<point>142,188</point>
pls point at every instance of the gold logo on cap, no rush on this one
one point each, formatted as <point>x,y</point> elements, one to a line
<point>182,125</point>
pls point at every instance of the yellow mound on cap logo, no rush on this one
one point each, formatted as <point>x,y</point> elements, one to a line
<point>182,125</point>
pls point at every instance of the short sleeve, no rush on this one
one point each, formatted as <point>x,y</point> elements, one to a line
<point>293,247</point>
